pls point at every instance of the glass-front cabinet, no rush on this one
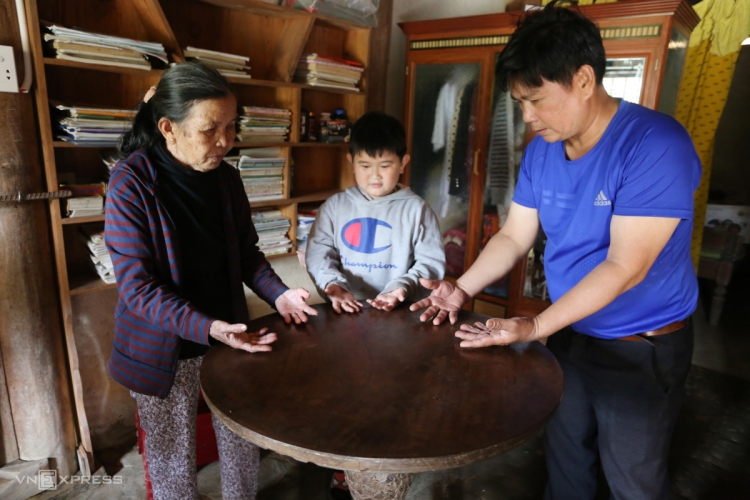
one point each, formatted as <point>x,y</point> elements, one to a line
<point>466,137</point>
<point>446,98</point>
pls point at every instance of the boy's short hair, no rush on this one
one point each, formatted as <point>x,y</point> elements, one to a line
<point>551,44</point>
<point>377,133</point>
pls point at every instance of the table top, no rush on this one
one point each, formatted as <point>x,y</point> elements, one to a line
<point>381,391</point>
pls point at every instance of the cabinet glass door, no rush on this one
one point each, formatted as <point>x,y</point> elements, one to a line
<point>507,140</point>
<point>623,77</point>
<point>442,149</point>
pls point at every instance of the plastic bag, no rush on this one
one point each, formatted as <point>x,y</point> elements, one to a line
<point>363,12</point>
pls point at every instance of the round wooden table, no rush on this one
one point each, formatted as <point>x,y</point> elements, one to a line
<point>381,395</point>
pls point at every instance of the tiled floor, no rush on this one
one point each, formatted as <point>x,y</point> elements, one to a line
<point>710,452</point>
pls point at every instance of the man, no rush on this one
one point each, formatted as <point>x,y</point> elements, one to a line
<point>612,184</point>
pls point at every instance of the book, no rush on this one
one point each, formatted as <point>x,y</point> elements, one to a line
<point>84,212</point>
<point>84,202</point>
<point>264,197</point>
<point>104,113</point>
<point>104,62</point>
<point>137,59</point>
<point>335,85</point>
<point>215,55</point>
<point>95,189</point>
<point>329,59</point>
<point>262,172</point>
<point>93,48</point>
<point>68,34</point>
<point>310,76</point>
<point>332,69</point>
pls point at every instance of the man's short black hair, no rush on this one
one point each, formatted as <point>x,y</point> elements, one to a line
<point>550,44</point>
<point>377,133</point>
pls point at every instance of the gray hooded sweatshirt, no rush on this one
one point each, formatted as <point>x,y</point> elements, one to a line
<point>372,246</point>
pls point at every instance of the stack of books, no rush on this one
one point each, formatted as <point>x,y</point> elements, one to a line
<point>324,71</point>
<point>84,206</point>
<point>92,126</point>
<point>262,175</point>
<point>227,64</point>
<point>272,228</point>
<point>100,259</point>
<point>258,124</point>
<point>94,48</point>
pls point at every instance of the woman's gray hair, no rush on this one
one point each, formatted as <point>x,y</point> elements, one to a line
<point>180,88</point>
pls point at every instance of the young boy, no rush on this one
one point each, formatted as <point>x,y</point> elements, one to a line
<point>376,239</point>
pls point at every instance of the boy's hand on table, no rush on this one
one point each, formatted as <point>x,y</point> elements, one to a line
<point>387,301</point>
<point>341,299</point>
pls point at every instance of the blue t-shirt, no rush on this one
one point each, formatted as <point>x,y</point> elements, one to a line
<point>644,165</point>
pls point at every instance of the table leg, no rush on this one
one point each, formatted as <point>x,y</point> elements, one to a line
<point>377,485</point>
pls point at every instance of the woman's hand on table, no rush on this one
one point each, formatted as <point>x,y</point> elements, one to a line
<point>387,301</point>
<point>292,306</point>
<point>498,332</point>
<point>342,300</point>
<point>444,301</point>
<point>236,336</point>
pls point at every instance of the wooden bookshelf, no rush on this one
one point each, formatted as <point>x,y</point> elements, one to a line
<point>273,37</point>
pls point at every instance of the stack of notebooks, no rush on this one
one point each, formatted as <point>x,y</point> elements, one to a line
<point>272,229</point>
<point>100,259</point>
<point>84,206</point>
<point>323,71</point>
<point>227,64</point>
<point>93,48</point>
<point>92,126</point>
<point>258,124</point>
<point>262,172</point>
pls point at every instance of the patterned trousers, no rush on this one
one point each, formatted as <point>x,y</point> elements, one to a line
<point>170,443</point>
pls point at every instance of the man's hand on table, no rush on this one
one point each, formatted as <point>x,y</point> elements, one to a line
<point>444,302</point>
<point>498,332</point>
<point>292,306</point>
<point>388,300</point>
<point>236,336</point>
<point>342,300</point>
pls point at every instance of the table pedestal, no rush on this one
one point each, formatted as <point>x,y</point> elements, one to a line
<point>378,485</point>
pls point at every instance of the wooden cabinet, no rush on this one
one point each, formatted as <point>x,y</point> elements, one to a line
<point>466,137</point>
<point>273,37</point>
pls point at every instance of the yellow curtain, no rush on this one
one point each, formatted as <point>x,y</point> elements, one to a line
<point>714,46</point>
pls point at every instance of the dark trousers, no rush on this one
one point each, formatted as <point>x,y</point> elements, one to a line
<point>618,409</point>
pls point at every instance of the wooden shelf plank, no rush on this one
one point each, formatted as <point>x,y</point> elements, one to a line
<point>82,220</point>
<point>51,61</point>
<point>307,198</point>
<point>89,282</point>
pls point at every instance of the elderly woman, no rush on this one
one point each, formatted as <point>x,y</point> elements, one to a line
<point>179,231</point>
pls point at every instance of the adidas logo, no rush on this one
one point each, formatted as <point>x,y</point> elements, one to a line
<point>601,200</point>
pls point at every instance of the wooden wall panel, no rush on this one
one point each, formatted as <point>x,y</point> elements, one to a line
<point>30,326</point>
